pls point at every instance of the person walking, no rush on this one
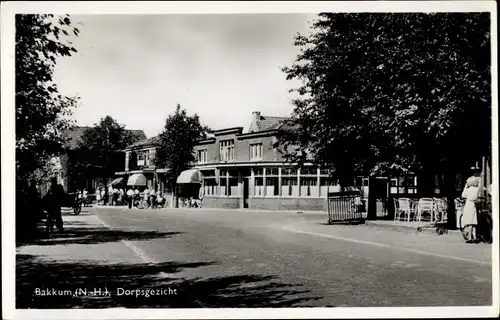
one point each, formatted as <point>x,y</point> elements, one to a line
<point>54,204</point>
<point>130,197</point>
<point>469,218</point>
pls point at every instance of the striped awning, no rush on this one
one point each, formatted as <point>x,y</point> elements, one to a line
<point>137,180</point>
<point>190,176</point>
<point>116,182</point>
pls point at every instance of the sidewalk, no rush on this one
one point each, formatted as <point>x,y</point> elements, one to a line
<point>74,269</point>
<point>399,238</point>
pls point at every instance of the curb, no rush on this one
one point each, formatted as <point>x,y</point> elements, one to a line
<point>229,209</point>
<point>426,230</point>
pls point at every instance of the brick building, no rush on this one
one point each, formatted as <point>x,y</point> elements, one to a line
<point>243,170</point>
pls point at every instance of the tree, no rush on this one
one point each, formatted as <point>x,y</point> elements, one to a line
<point>41,111</point>
<point>392,94</point>
<point>100,150</point>
<point>177,142</point>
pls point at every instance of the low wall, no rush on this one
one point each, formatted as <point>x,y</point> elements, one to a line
<point>223,203</point>
<point>292,204</point>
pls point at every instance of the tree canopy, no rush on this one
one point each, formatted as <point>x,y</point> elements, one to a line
<point>100,152</point>
<point>41,111</point>
<point>391,94</point>
<point>177,142</point>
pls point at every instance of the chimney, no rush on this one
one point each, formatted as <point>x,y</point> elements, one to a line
<point>255,116</point>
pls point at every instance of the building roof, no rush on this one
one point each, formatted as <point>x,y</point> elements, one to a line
<point>146,142</point>
<point>74,135</point>
<point>269,123</point>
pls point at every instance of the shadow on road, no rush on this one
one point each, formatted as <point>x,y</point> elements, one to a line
<point>86,235</point>
<point>230,292</point>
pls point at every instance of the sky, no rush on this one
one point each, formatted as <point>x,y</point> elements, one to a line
<point>137,68</point>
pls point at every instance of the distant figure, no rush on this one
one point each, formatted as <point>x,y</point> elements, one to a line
<point>103,196</point>
<point>85,195</point>
<point>469,218</point>
<point>146,197</point>
<point>137,196</point>
<point>34,210</point>
<point>98,196</point>
<point>109,199</point>
<point>54,204</point>
<point>152,200</point>
<point>130,197</point>
<point>115,197</point>
<point>122,196</point>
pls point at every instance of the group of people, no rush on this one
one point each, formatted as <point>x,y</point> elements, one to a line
<point>150,198</point>
<point>116,196</point>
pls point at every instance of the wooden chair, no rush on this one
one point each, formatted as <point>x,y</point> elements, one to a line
<point>441,209</point>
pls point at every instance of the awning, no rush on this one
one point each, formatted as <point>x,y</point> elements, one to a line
<point>116,182</point>
<point>190,176</point>
<point>137,180</point>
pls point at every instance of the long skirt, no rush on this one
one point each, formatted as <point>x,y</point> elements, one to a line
<point>469,217</point>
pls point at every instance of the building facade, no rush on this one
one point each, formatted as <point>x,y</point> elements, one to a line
<point>72,139</point>
<point>139,160</point>
<point>243,170</point>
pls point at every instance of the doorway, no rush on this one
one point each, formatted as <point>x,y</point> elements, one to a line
<point>246,192</point>
<point>378,196</point>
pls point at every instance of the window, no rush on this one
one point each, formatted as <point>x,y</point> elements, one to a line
<point>229,183</point>
<point>227,150</point>
<point>258,184</point>
<point>202,156</point>
<point>327,184</point>
<point>403,185</point>
<point>272,182</point>
<point>143,158</point>
<point>308,171</point>
<point>309,187</point>
<point>209,183</point>
<point>256,151</point>
<point>289,182</point>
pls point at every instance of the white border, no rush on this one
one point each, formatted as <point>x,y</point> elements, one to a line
<point>9,9</point>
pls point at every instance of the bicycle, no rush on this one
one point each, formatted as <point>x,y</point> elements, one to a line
<point>77,206</point>
<point>484,228</point>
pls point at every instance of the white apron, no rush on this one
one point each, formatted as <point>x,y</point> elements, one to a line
<point>470,213</point>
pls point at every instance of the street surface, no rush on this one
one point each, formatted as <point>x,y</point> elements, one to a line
<point>230,258</point>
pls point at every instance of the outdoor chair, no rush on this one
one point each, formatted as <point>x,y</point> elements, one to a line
<point>404,207</point>
<point>425,205</point>
<point>441,209</point>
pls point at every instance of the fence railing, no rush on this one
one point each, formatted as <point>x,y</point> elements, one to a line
<point>345,206</point>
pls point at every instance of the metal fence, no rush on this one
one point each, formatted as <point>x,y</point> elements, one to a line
<point>345,206</point>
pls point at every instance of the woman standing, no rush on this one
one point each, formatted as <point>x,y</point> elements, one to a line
<point>98,196</point>
<point>469,218</point>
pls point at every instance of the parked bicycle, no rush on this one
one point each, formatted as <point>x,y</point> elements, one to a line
<point>484,228</point>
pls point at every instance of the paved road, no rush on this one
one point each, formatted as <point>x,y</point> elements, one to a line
<point>209,258</point>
